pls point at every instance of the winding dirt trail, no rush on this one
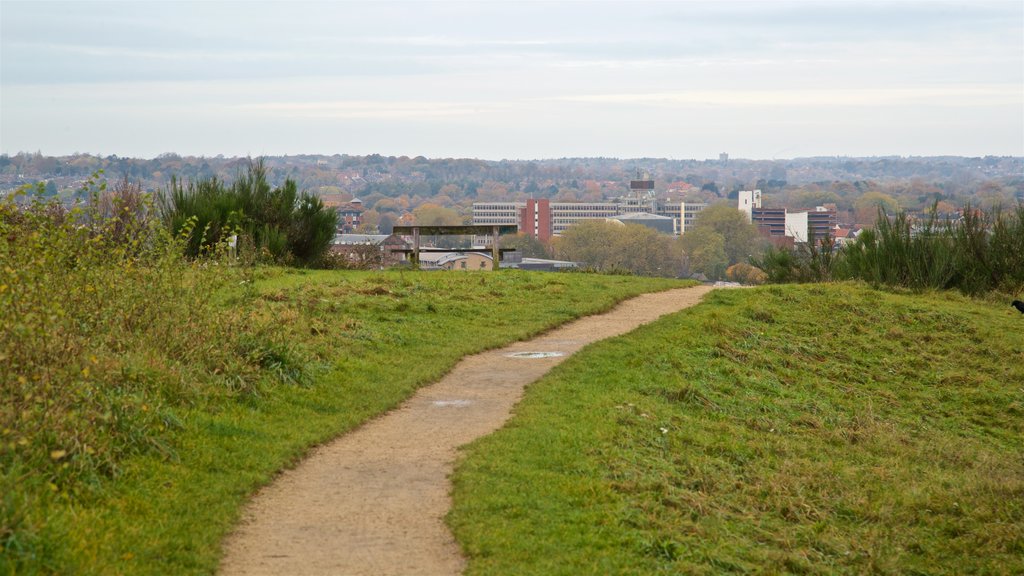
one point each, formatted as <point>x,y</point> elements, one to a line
<point>373,501</point>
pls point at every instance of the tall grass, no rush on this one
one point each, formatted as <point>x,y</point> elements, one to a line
<point>107,331</point>
<point>983,252</point>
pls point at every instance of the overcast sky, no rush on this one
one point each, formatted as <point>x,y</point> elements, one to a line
<point>513,79</point>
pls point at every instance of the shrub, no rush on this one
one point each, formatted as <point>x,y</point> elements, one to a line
<point>746,274</point>
<point>281,224</point>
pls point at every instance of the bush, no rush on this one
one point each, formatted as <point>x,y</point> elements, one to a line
<point>982,252</point>
<point>746,274</point>
<point>281,224</point>
<point>107,332</point>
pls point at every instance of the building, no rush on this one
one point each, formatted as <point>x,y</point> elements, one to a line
<point>461,261</point>
<point>350,213</point>
<point>543,219</point>
<point>370,250</point>
<point>535,219</point>
<point>662,224</point>
<point>822,222</point>
<point>565,214</point>
<point>770,221</point>
<point>799,225</point>
<point>688,212</point>
<point>749,200</point>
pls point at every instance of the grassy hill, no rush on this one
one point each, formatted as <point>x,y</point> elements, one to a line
<point>813,429</point>
<point>142,405</point>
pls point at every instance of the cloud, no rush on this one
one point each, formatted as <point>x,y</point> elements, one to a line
<point>355,109</point>
<point>978,95</point>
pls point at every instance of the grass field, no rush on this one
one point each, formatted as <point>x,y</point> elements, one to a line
<point>326,352</point>
<point>816,429</point>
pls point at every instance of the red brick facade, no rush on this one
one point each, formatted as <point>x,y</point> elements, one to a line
<point>535,219</point>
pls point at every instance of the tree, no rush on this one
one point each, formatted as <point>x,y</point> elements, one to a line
<point>280,222</point>
<point>613,247</point>
<point>739,237</point>
<point>866,207</point>
<point>430,214</point>
<point>705,253</point>
<point>528,246</point>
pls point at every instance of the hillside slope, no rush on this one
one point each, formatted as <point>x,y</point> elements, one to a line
<point>800,429</point>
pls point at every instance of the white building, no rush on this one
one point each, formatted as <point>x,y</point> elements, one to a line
<point>796,226</point>
<point>748,201</point>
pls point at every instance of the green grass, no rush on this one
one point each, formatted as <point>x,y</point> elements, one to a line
<point>322,353</point>
<point>816,429</point>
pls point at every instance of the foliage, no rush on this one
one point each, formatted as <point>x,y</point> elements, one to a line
<point>813,261</point>
<point>828,429</point>
<point>704,250</point>
<point>605,246</point>
<point>148,395</point>
<point>529,246</point>
<point>107,334</point>
<point>982,252</point>
<point>741,239</point>
<point>746,274</point>
<point>281,223</point>
<point>871,203</point>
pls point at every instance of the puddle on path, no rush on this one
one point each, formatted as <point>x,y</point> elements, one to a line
<point>452,403</point>
<point>535,354</point>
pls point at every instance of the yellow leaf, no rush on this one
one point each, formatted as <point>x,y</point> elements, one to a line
<point>58,454</point>
<point>85,371</point>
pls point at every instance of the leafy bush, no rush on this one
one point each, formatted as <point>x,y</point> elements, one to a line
<point>280,223</point>
<point>982,252</point>
<point>746,274</point>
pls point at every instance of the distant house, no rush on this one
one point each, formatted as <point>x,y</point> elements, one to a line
<point>350,212</point>
<point>370,250</point>
<point>455,261</point>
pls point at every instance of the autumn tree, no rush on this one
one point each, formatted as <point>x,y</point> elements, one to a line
<point>430,214</point>
<point>612,246</point>
<point>740,239</point>
<point>704,252</point>
<point>866,207</point>
<point>528,246</point>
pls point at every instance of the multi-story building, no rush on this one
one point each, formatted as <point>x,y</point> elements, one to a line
<point>496,212</point>
<point>535,219</point>
<point>800,225</point>
<point>688,212</point>
<point>565,214</point>
<point>543,219</point>
<point>822,222</point>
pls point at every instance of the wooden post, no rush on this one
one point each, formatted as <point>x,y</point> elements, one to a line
<point>495,253</point>
<point>416,248</point>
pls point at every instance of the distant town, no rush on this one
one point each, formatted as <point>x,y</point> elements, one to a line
<point>788,201</point>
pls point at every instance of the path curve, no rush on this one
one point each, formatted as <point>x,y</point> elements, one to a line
<point>373,501</point>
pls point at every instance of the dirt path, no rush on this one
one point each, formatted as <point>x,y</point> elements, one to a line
<point>373,501</point>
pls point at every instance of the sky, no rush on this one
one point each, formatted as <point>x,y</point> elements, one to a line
<point>513,80</point>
